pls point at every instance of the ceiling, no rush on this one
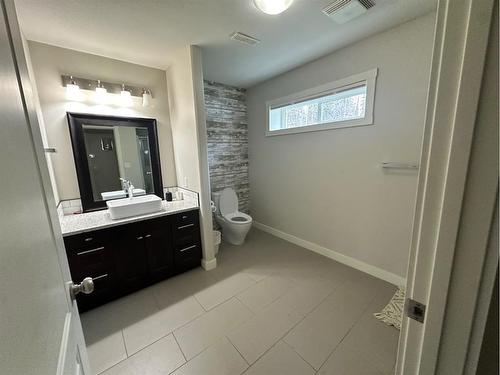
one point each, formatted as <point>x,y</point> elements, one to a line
<point>147,32</point>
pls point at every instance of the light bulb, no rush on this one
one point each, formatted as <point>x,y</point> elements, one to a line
<point>72,90</point>
<point>273,7</point>
<point>100,92</point>
<point>125,97</point>
<point>146,98</point>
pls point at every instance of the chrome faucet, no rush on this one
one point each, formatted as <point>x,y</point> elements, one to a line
<point>128,187</point>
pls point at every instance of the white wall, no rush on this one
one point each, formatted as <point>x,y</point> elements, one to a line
<point>327,187</point>
<point>183,119</point>
<point>50,62</point>
<point>41,123</point>
<point>187,116</point>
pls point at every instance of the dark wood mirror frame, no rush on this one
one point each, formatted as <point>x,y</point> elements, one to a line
<point>76,122</point>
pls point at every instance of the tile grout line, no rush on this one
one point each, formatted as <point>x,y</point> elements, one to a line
<point>179,345</point>
<point>117,363</point>
<point>178,367</point>
<point>140,350</point>
<point>234,346</point>
<point>147,346</point>
<point>348,331</point>
<point>287,344</point>
<point>232,296</point>
<point>124,343</point>
<point>280,338</point>
<point>199,303</point>
<point>252,314</point>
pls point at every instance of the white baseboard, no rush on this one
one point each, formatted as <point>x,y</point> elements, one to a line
<point>341,258</point>
<point>209,264</point>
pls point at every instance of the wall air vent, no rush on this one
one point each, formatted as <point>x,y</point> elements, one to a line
<point>243,38</point>
<point>342,11</point>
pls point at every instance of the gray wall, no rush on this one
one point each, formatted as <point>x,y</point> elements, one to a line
<point>49,62</point>
<point>227,136</point>
<point>327,187</point>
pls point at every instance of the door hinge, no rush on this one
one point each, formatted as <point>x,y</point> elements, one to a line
<point>415,310</point>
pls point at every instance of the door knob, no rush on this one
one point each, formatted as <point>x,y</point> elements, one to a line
<point>85,287</point>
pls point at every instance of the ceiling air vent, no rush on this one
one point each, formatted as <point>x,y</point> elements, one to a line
<point>244,38</point>
<point>342,11</point>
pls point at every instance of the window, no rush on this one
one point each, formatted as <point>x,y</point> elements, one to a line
<point>344,103</point>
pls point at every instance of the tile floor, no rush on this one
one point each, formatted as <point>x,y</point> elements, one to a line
<point>270,307</point>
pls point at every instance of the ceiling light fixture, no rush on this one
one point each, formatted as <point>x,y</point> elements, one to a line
<point>273,7</point>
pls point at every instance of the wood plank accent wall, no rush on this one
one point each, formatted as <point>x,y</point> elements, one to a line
<point>227,133</point>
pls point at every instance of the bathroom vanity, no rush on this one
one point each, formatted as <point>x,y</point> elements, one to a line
<point>139,239</point>
<point>125,255</point>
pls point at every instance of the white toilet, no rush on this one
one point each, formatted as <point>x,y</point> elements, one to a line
<point>235,225</point>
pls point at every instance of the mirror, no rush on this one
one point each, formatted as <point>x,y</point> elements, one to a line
<point>112,152</point>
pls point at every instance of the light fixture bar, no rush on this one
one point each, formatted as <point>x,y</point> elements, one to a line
<point>111,87</point>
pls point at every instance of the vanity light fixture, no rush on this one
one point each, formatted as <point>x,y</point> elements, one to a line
<point>103,92</point>
<point>272,7</point>
<point>146,98</point>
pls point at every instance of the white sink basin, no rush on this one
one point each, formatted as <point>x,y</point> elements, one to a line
<point>127,207</point>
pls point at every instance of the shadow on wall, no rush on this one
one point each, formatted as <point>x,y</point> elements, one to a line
<point>227,140</point>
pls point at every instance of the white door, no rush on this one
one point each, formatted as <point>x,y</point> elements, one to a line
<point>40,328</point>
<point>460,44</point>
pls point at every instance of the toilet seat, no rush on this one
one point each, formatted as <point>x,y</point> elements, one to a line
<point>238,218</point>
<point>228,202</point>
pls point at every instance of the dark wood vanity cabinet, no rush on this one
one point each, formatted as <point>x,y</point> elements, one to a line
<point>128,257</point>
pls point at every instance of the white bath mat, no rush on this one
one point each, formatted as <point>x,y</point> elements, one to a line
<point>392,313</point>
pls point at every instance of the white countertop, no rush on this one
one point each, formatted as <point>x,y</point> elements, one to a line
<point>89,221</point>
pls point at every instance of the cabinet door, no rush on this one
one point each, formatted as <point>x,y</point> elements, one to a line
<point>157,236</point>
<point>130,257</point>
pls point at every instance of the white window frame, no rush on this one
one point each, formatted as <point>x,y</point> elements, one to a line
<point>370,77</point>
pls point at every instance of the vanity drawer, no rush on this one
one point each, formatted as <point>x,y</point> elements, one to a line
<point>186,220</point>
<point>87,241</point>
<point>185,239</point>
<point>84,262</point>
<point>186,228</point>
<point>187,256</point>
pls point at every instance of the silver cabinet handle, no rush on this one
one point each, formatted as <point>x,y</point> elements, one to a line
<point>90,251</point>
<point>188,248</point>
<point>185,226</point>
<point>85,287</point>
<point>88,239</point>
<point>100,277</point>
<point>147,235</point>
<point>140,238</point>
